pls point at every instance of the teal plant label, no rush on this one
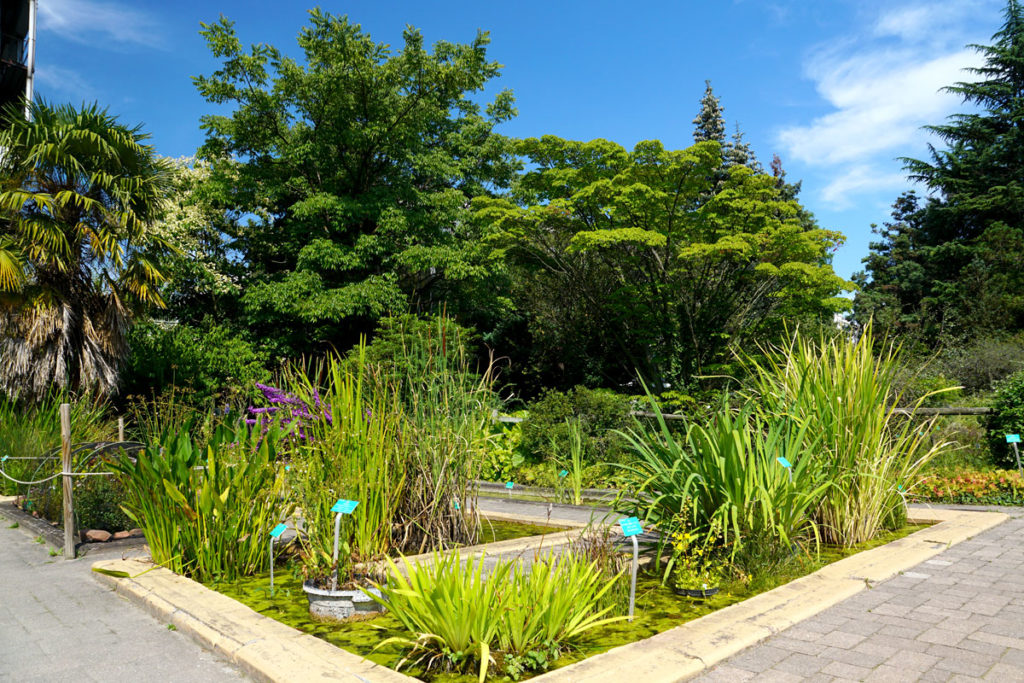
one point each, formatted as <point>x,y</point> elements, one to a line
<point>345,507</point>
<point>631,526</point>
<point>563,473</point>
<point>1013,438</point>
<point>278,530</point>
<point>509,485</point>
<point>785,463</point>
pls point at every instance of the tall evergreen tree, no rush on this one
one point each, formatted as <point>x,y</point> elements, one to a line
<point>740,153</point>
<point>948,267</point>
<point>710,120</point>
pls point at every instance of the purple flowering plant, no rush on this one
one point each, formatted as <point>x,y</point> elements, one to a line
<point>288,410</point>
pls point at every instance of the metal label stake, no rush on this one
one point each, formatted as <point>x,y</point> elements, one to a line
<point>275,533</point>
<point>631,527</point>
<point>342,507</point>
<point>788,465</point>
<point>1013,440</point>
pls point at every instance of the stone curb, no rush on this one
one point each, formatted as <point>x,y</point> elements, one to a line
<point>271,651</point>
<point>687,650</point>
<point>264,648</point>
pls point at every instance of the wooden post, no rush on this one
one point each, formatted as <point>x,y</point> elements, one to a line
<point>120,429</point>
<point>65,459</point>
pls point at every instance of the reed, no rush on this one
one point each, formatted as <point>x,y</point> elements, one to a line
<point>846,395</point>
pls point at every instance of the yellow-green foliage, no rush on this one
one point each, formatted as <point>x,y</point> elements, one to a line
<point>515,617</point>
<point>847,396</point>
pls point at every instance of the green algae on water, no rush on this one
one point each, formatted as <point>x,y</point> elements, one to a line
<point>658,608</point>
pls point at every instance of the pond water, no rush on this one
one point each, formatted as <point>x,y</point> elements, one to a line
<point>658,608</point>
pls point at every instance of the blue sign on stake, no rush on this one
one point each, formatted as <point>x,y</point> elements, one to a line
<point>1013,438</point>
<point>509,485</point>
<point>278,530</point>
<point>631,526</point>
<point>785,463</point>
<point>345,507</point>
<point>563,473</point>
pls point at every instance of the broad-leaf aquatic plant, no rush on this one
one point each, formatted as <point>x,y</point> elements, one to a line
<point>207,509</point>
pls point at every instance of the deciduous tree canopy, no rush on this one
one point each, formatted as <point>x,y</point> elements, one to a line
<point>349,174</point>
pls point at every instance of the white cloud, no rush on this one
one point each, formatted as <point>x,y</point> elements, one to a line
<point>99,23</point>
<point>858,179</point>
<point>883,83</point>
<point>57,79</point>
<point>881,102</point>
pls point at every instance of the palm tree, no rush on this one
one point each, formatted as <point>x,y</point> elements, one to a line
<point>78,195</point>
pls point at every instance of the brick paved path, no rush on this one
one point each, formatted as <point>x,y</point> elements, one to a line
<point>58,624</point>
<point>957,617</point>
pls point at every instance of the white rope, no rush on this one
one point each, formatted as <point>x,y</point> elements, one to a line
<point>59,474</point>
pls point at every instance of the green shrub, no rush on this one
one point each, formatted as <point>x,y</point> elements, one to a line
<point>502,457</point>
<point>30,430</point>
<point>980,365</point>
<point>598,413</point>
<point>1007,417</point>
<point>98,503</point>
<point>966,487</point>
<point>210,360</point>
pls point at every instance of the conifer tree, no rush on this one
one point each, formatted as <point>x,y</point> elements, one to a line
<point>740,153</point>
<point>948,268</point>
<point>710,120</point>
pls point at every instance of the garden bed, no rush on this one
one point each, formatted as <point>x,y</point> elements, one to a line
<point>221,622</point>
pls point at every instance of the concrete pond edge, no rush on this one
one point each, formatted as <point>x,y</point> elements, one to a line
<point>271,651</point>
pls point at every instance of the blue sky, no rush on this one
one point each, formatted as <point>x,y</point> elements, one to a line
<point>838,89</point>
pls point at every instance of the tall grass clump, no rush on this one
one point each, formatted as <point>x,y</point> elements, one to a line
<point>351,446</point>
<point>512,618</point>
<point>723,478</point>
<point>447,407</point>
<point>402,435</point>
<point>30,431</point>
<point>847,395</point>
<point>207,509</point>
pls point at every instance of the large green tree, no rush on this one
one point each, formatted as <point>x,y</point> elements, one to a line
<point>349,174</point>
<point>948,266</point>
<point>644,261</point>
<point>79,193</point>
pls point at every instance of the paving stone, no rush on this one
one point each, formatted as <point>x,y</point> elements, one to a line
<point>1005,672</point>
<point>727,674</point>
<point>912,661</point>
<point>800,664</point>
<point>843,670</point>
<point>887,674</point>
<point>964,621</point>
<point>40,644</point>
<point>941,636</point>
<point>841,639</point>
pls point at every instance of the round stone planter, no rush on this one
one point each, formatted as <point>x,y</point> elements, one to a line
<point>696,592</point>
<point>328,605</point>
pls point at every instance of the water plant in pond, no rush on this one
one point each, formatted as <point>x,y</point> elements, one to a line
<point>724,478</point>
<point>206,510</point>
<point>572,465</point>
<point>356,451</point>
<point>512,617</point>
<point>848,395</point>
